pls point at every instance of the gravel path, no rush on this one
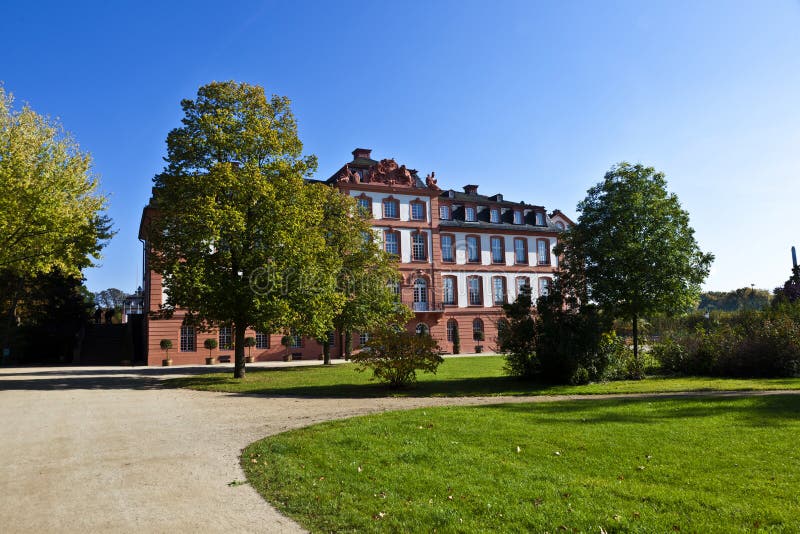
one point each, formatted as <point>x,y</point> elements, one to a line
<point>107,449</point>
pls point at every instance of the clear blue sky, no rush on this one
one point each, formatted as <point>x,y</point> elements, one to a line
<point>532,99</point>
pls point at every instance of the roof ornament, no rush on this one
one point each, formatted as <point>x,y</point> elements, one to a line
<point>430,181</point>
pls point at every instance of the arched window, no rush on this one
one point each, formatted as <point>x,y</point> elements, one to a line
<point>452,327</point>
<point>559,225</point>
<point>422,329</point>
<point>420,295</point>
<point>477,329</point>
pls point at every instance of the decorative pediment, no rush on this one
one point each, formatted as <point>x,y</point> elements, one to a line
<point>386,171</point>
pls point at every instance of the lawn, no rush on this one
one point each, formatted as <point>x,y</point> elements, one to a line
<point>456,377</point>
<point>688,465</point>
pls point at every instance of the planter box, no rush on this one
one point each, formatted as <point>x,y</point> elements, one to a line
<point>287,358</point>
<point>248,359</point>
<point>166,363</point>
<point>210,360</point>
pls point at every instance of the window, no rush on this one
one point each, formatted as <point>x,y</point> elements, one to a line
<point>331,339</point>
<point>449,290</point>
<point>452,327</point>
<point>417,211</point>
<point>444,213</point>
<point>523,282</point>
<point>422,329</point>
<point>391,242</point>
<point>296,341</point>
<point>363,338</point>
<point>262,340</point>
<point>477,330</point>
<point>473,249</point>
<point>394,287</point>
<point>475,291</point>
<point>420,295</point>
<point>367,237</point>
<point>469,214</point>
<point>543,252</point>
<point>544,287</point>
<point>517,217</point>
<point>540,218</point>
<point>365,203</point>
<point>520,250</point>
<point>391,209</point>
<point>497,250</point>
<point>448,248</point>
<point>188,339</point>
<point>225,338</point>
<point>559,225</point>
<point>494,215</point>
<point>419,246</point>
<point>499,290</point>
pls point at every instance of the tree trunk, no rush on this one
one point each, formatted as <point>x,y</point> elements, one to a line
<point>348,344</point>
<point>239,368</point>
<point>326,352</point>
<point>341,344</point>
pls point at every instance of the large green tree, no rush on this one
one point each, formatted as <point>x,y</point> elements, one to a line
<point>51,215</point>
<point>632,250</point>
<point>239,236</point>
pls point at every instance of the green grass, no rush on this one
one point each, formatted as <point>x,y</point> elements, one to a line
<point>693,465</point>
<point>456,377</point>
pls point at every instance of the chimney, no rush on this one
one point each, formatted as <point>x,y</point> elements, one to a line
<point>362,153</point>
<point>471,189</point>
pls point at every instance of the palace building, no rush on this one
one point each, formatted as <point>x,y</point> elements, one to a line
<point>462,255</point>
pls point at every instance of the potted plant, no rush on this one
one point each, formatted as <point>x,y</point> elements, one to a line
<point>286,341</point>
<point>210,344</point>
<point>166,344</point>
<point>249,342</point>
<point>479,338</point>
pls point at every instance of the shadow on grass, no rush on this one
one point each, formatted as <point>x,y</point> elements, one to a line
<point>455,387</point>
<point>763,411</point>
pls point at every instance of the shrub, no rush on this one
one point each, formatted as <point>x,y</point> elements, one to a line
<point>749,343</point>
<point>560,345</point>
<point>396,356</point>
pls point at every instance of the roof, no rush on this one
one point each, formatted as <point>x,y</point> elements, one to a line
<point>483,225</point>
<point>483,199</point>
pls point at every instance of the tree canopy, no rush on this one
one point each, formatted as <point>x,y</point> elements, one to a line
<point>51,215</point>
<point>632,250</point>
<point>239,236</point>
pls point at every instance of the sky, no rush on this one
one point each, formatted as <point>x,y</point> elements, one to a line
<point>534,100</point>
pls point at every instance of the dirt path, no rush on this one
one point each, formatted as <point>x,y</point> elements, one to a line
<point>109,450</point>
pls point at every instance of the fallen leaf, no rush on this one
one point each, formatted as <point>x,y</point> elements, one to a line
<point>538,501</point>
<point>640,468</point>
<point>359,469</point>
<point>518,449</point>
<point>557,453</point>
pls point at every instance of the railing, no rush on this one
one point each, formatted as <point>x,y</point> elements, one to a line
<point>425,304</point>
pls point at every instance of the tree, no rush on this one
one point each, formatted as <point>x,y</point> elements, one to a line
<point>210,344</point>
<point>790,290</point>
<point>238,235</point>
<point>745,298</point>
<point>632,250</point>
<point>110,298</point>
<point>367,269</point>
<point>51,216</point>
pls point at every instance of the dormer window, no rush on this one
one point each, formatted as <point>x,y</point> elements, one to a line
<point>494,215</point>
<point>444,213</point>
<point>559,225</point>
<point>517,217</point>
<point>539,218</point>
<point>469,214</point>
